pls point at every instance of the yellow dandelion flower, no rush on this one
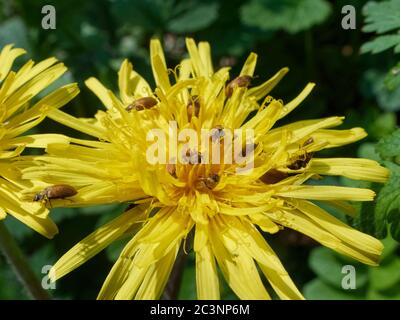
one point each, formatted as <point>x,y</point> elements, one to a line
<point>17,116</point>
<point>225,208</point>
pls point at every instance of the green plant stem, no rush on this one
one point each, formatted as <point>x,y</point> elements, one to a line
<point>20,265</point>
<point>174,282</point>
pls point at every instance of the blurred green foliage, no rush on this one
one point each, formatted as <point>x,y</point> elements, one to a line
<point>93,37</point>
<point>377,283</point>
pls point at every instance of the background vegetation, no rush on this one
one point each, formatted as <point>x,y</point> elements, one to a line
<point>93,37</point>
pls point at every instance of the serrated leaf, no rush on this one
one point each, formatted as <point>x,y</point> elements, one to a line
<point>388,205</point>
<point>289,15</point>
<point>389,147</point>
<point>368,222</point>
<point>374,82</point>
<point>382,17</point>
<point>381,43</point>
<point>367,150</point>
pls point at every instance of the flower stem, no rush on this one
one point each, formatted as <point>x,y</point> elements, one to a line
<point>174,282</point>
<point>21,267</point>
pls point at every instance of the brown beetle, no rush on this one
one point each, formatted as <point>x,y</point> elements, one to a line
<point>211,181</point>
<point>273,176</point>
<point>308,142</point>
<point>58,191</point>
<point>192,157</point>
<point>142,103</point>
<point>302,161</point>
<point>193,107</point>
<point>241,81</point>
<point>171,169</point>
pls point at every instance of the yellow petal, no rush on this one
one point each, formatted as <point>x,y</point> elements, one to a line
<point>237,266</point>
<point>157,276</point>
<point>358,169</point>
<point>197,63</point>
<point>131,83</point>
<point>77,124</point>
<point>336,138</point>
<point>7,57</point>
<point>356,238</point>
<point>263,89</point>
<point>296,220</point>
<point>326,193</point>
<point>205,56</point>
<point>96,242</point>
<point>100,91</point>
<point>119,273</point>
<point>245,235</point>
<point>265,223</point>
<point>250,65</point>
<point>3,214</point>
<point>159,66</point>
<point>207,282</point>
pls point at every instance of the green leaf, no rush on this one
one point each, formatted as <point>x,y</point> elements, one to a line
<point>374,82</point>
<point>381,43</point>
<point>390,246</point>
<point>387,206</point>
<point>389,147</point>
<point>329,268</point>
<point>194,18</point>
<point>386,275</point>
<point>381,17</point>
<point>289,15</point>
<point>319,290</point>
<point>367,150</point>
<point>367,220</point>
<point>390,294</point>
<point>383,124</point>
<point>166,15</point>
<point>148,14</point>
<point>392,79</point>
